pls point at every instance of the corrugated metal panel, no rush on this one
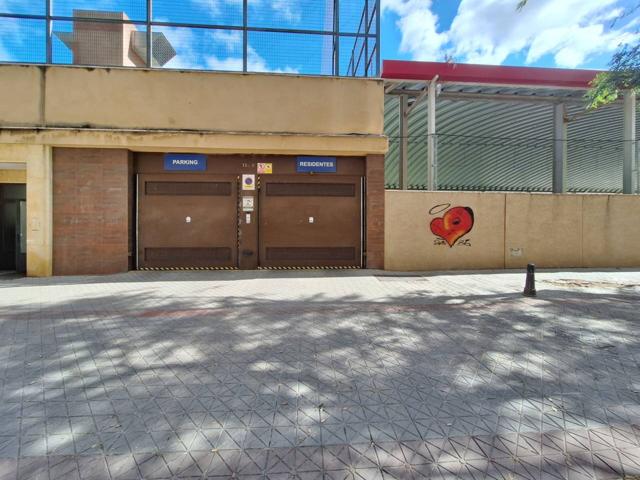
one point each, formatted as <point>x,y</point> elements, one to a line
<point>491,145</point>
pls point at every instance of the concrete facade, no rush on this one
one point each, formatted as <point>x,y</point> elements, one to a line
<point>510,230</point>
<point>45,109</point>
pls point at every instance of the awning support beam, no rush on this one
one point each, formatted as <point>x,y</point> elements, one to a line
<point>629,142</point>
<point>432,170</point>
<point>403,150</point>
<point>559,149</point>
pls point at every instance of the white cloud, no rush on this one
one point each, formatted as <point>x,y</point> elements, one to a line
<point>488,31</point>
<point>290,10</point>
<point>255,63</point>
<point>287,9</point>
<point>419,27</point>
<point>231,39</point>
<point>191,55</point>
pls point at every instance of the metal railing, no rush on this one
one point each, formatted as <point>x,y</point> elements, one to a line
<point>324,37</point>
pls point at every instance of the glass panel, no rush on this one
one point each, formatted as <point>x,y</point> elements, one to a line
<point>132,9</point>
<point>201,12</point>
<point>23,40</point>
<point>290,53</point>
<point>98,43</point>
<point>23,227</point>
<point>203,48</point>
<point>24,7</point>
<point>353,56</point>
<point>13,191</point>
<point>352,16</point>
<point>299,15</point>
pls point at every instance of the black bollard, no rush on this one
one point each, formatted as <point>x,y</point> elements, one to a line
<point>530,284</point>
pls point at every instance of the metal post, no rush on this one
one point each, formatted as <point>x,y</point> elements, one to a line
<point>366,38</point>
<point>149,35</point>
<point>245,36</point>
<point>629,141</point>
<point>530,282</point>
<point>336,36</point>
<point>49,26</point>
<point>559,184</point>
<point>432,168</point>
<point>403,150</point>
<point>378,71</point>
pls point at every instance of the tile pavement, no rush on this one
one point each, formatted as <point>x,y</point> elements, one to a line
<point>311,375</point>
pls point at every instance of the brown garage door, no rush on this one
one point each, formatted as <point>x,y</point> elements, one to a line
<point>187,220</point>
<point>315,221</point>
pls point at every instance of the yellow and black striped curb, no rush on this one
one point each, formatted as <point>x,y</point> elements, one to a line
<point>311,268</point>
<point>165,269</point>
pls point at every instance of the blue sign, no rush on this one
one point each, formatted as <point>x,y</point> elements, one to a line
<point>185,162</point>
<point>316,164</point>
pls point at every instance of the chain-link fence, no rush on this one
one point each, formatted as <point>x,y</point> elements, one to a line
<point>308,37</point>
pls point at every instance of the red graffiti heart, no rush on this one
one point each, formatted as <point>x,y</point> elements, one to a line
<point>453,225</point>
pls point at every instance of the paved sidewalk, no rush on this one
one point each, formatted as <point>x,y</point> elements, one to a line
<point>335,375</point>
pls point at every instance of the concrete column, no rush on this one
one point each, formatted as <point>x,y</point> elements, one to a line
<point>39,211</point>
<point>629,141</point>
<point>403,146</point>
<point>559,149</point>
<point>432,170</point>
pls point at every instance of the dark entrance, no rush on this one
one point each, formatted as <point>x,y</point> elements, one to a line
<point>13,228</point>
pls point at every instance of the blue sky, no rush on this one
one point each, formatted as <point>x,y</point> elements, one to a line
<point>550,33</point>
<point>562,33</point>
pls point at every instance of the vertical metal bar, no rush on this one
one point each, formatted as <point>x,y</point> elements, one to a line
<point>49,27</point>
<point>366,38</point>
<point>137,245</point>
<point>403,150</point>
<point>378,71</point>
<point>245,35</point>
<point>559,149</point>
<point>336,34</point>
<point>629,141</point>
<point>149,36</point>
<point>432,167</point>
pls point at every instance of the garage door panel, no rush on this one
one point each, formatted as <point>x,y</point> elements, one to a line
<point>187,222</point>
<point>310,221</point>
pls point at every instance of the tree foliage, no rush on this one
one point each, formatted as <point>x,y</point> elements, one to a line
<point>623,73</point>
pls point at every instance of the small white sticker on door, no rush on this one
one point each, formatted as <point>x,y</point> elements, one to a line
<point>247,219</point>
<point>248,182</point>
<point>247,204</point>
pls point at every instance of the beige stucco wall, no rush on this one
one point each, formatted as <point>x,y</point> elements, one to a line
<point>12,176</point>
<point>13,154</point>
<point>543,229</point>
<point>214,143</point>
<point>20,95</point>
<point>513,229</point>
<point>611,231</point>
<point>409,243</point>
<point>39,202</point>
<point>223,102</point>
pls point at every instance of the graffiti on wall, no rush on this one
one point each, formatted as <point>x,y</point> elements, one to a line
<point>452,226</point>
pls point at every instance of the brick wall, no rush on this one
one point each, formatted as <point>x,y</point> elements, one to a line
<point>375,211</point>
<point>91,219</point>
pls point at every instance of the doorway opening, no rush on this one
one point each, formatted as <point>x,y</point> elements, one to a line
<point>13,228</point>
